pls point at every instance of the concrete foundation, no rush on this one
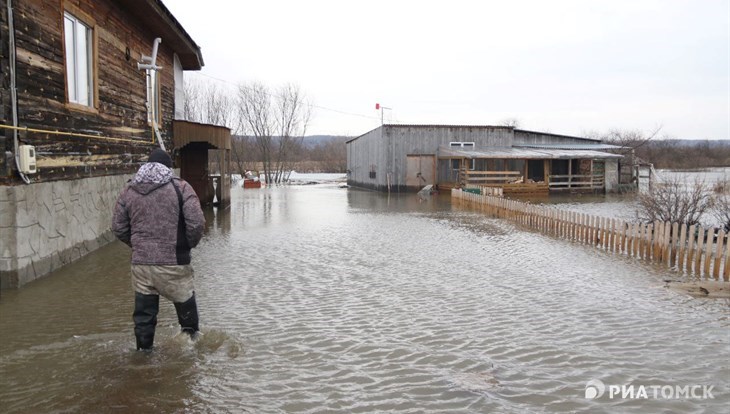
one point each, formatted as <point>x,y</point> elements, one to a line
<point>47,225</point>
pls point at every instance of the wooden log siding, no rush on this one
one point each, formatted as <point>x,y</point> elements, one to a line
<point>691,250</point>
<point>121,90</point>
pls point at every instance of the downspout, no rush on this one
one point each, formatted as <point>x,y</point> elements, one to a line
<point>13,91</point>
<point>149,63</point>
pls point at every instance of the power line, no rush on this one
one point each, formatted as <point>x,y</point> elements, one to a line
<point>310,105</point>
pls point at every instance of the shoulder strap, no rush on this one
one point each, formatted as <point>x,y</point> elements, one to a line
<point>182,239</point>
<point>179,196</point>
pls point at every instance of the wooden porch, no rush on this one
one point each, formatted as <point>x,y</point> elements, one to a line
<point>518,171</point>
<point>194,143</point>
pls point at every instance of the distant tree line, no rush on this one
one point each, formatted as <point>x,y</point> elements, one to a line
<point>667,152</point>
<point>322,155</point>
<point>683,154</point>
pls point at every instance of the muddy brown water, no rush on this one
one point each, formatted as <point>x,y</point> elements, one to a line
<point>318,299</point>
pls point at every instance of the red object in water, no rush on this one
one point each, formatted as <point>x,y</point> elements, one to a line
<point>249,183</point>
<point>377,106</point>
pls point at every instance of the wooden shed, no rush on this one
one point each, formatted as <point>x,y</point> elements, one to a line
<point>398,158</point>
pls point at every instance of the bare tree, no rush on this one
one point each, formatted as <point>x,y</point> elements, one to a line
<point>218,106</point>
<point>276,121</point>
<point>630,140</point>
<point>292,119</point>
<point>511,122</point>
<point>676,201</point>
<point>192,110</point>
<point>722,211</point>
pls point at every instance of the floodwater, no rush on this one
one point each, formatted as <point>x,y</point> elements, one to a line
<point>625,206</point>
<point>320,299</point>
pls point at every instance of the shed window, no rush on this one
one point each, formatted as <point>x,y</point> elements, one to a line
<point>459,144</point>
<point>79,43</point>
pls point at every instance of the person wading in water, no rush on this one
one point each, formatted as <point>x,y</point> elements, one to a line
<point>159,217</point>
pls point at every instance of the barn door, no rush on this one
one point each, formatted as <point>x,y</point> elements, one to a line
<point>420,170</point>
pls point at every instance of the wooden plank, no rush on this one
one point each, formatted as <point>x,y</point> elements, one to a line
<point>631,243</point>
<point>656,241</point>
<point>718,254</point>
<point>622,236</point>
<point>691,235</point>
<point>666,243</point>
<point>640,229</point>
<point>726,266</point>
<point>698,251</point>
<point>673,245</point>
<point>682,247</point>
<point>708,251</point>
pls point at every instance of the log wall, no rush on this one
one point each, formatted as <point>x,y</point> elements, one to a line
<point>120,111</point>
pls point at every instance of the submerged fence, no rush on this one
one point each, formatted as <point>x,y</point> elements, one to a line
<point>694,250</point>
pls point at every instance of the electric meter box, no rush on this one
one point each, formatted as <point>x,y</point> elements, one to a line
<point>27,159</point>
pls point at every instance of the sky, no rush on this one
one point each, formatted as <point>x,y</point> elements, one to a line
<point>566,67</point>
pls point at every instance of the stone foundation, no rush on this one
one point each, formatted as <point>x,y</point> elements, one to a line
<point>47,225</point>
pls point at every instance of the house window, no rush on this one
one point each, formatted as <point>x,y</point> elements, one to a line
<point>153,96</point>
<point>79,44</point>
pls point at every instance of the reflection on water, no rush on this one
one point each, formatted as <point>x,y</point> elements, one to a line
<point>320,299</point>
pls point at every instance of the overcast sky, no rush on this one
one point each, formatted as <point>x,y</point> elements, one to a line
<point>567,67</point>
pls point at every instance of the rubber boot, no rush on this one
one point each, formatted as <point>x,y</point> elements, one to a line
<point>187,316</point>
<point>145,319</point>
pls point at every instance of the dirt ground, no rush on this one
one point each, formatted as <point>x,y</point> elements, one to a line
<point>702,289</point>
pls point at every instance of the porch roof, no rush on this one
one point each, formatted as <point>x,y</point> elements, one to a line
<point>185,132</point>
<point>522,153</point>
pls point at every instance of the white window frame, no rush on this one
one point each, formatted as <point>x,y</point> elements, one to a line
<point>79,49</point>
<point>460,144</point>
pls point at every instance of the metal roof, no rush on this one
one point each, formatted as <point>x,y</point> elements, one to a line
<point>556,135</point>
<point>523,153</point>
<point>597,146</point>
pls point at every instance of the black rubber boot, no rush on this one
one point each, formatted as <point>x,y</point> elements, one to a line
<point>187,315</point>
<point>145,319</point>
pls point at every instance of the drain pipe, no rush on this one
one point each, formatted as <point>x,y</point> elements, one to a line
<point>13,90</point>
<point>149,64</point>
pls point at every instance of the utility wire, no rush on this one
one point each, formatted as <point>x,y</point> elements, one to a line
<point>310,105</point>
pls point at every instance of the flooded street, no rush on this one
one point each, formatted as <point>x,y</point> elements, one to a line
<point>319,299</point>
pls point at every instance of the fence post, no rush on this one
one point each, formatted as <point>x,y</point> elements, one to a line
<point>691,235</point>
<point>708,251</point>
<point>675,237</point>
<point>667,242</point>
<point>698,254</point>
<point>718,254</point>
<point>682,241</point>
<point>726,266</point>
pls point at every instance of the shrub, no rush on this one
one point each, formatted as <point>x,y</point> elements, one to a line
<point>676,201</point>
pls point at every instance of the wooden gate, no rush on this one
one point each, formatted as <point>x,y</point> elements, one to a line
<point>420,171</point>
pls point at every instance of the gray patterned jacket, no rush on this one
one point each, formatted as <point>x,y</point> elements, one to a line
<point>146,217</point>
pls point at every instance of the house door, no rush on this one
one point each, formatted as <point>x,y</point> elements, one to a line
<point>420,170</point>
<point>194,170</point>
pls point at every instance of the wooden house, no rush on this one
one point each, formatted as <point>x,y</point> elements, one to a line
<point>409,157</point>
<point>89,88</point>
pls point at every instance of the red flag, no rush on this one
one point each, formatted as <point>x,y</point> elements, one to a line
<point>377,106</point>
